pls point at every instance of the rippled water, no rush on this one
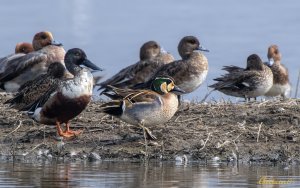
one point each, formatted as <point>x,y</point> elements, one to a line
<point>111,32</point>
<point>129,174</point>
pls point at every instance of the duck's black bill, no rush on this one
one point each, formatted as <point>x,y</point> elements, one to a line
<point>201,48</point>
<point>178,91</point>
<point>91,65</point>
<point>55,43</point>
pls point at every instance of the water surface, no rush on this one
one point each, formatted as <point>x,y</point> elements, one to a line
<point>129,174</point>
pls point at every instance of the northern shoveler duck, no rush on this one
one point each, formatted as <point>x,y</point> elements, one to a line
<point>145,107</point>
<point>189,72</point>
<point>64,99</point>
<point>254,81</point>
<point>21,49</point>
<point>152,57</point>
<point>281,85</point>
<point>32,90</point>
<point>20,70</point>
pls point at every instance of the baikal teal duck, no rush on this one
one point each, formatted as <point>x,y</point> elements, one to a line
<point>145,107</point>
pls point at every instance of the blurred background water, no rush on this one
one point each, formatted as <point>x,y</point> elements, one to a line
<point>111,32</point>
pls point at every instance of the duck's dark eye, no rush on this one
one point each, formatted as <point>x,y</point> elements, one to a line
<point>44,37</point>
<point>155,46</point>
<point>192,41</point>
<point>77,54</point>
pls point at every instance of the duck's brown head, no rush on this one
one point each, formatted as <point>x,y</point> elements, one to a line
<point>43,39</point>
<point>254,63</point>
<point>189,44</point>
<point>24,47</point>
<point>274,53</point>
<point>149,50</point>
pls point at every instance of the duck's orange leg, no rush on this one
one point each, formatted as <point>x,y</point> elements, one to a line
<point>67,133</point>
<point>68,130</point>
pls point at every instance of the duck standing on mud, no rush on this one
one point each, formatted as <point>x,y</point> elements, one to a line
<point>145,107</point>
<point>27,67</point>
<point>152,57</point>
<point>63,99</point>
<point>281,85</point>
<point>256,80</point>
<point>189,72</point>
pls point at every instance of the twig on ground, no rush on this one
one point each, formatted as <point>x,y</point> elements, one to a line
<point>20,124</point>
<point>25,154</point>
<point>205,97</point>
<point>259,128</point>
<point>205,142</point>
<point>191,119</point>
<point>177,118</point>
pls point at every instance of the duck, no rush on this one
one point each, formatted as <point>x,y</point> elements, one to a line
<point>21,49</point>
<point>145,107</point>
<point>63,99</point>
<point>34,89</point>
<point>27,67</point>
<point>152,57</point>
<point>189,72</point>
<point>281,85</point>
<point>253,81</point>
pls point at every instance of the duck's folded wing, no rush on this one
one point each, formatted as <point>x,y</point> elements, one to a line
<point>26,89</point>
<point>39,102</point>
<point>5,60</point>
<point>18,65</point>
<point>132,95</point>
<point>232,68</point>
<point>237,80</point>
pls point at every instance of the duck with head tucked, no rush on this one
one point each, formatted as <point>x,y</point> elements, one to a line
<point>254,81</point>
<point>145,107</point>
<point>281,85</point>
<point>63,99</point>
<point>152,57</point>
<point>21,49</point>
<point>27,67</point>
<point>189,72</point>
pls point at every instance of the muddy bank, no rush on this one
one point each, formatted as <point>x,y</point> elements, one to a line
<point>253,132</point>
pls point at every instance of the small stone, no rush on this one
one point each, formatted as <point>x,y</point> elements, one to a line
<point>94,157</point>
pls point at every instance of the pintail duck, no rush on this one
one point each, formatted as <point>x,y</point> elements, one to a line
<point>145,107</point>
<point>189,72</point>
<point>27,67</point>
<point>254,81</point>
<point>152,57</point>
<point>21,49</point>
<point>64,99</point>
<point>281,85</point>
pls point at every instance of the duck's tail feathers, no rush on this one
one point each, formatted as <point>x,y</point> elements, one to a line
<point>114,108</point>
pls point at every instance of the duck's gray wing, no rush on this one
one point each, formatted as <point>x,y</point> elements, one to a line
<point>17,66</point>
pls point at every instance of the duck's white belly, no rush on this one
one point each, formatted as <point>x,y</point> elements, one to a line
<point>278,89</point>
<point>194,83</point>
